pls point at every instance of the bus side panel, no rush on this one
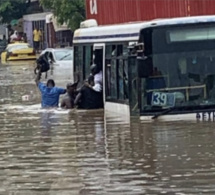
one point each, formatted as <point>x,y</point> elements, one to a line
<point>118,110</point>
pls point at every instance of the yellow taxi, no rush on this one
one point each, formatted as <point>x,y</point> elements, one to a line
<point>18,51</point>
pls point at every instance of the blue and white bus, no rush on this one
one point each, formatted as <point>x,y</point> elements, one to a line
<point>163,68</point>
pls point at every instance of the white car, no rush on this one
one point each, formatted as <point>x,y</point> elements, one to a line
<point>62,61</point>
<point>59,56</point>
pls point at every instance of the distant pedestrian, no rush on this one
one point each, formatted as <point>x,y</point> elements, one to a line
<point>36,38</point>
<point>14,37</point>
<point>24,38</point>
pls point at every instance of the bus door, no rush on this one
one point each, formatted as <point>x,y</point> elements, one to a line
<point>133,85</point>
<point>99,60</point>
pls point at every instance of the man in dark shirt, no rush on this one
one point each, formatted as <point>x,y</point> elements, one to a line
<point>69,98</point>
<point>88,98</point>
<point>50,93</point>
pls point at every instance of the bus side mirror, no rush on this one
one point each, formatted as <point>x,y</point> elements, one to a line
<point>144,67</point>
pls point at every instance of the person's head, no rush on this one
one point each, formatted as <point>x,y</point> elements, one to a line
<point>71,88</point>
<point>50,83</point>
<point>4,37</point>
<point>91,80</point>
<point>93,69</point>
<point>36,28</point>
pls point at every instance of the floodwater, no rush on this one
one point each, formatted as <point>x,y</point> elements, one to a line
<point>51,152</point>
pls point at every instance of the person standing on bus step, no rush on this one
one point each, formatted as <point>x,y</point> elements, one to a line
<point>50,93</point>
<point>88,98</point>
<point>98,78</point>
<point>36,39</point>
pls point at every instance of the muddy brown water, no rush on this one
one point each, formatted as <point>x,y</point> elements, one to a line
<point>59,152</point>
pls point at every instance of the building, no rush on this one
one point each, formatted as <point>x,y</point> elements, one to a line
<point>3,31</point>
<point>38,20</point>
<point>58,35</point>
<point>53,34</point>
<point>120,11</point>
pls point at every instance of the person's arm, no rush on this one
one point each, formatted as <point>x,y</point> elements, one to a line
<point>37,80</point>
<point>61,91</point>
<point>77,99</point>
<point>97,88</point>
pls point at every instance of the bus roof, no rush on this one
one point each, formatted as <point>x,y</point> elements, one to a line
<point>108,33</point>
<point>130,31</point>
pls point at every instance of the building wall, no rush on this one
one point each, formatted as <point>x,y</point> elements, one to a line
<point>3,31</point>
<point>120,11</point>
<point>51,35</point>
<point>36,20</point>
<point>41,25</point>
<point>27,28</point>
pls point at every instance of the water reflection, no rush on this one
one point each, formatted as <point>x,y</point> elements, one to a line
<point>54,152</point>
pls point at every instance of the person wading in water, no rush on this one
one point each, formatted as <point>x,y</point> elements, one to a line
<point>69,98</point>
<point>49,93</point>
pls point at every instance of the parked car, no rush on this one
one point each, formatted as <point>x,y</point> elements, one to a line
<point>59,56</point>
<point>18,51</point>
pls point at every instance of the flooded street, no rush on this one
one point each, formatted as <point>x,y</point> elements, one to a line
<point>81,153</point>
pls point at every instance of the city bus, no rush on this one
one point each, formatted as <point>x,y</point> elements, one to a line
<point>159,69</point>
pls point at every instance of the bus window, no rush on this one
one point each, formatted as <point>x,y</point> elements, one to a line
<point>87,60</point>
<point>78,62</point>
<point>120,80</point>
<point>125,50</point>
<point>98,60</point>
<point>75,58</point>
<point>113,52</point>
<point>108,51</point>
<point>119,50</point>
<point>113,81</point>
<point>125,79</point>
<point>108,78</point>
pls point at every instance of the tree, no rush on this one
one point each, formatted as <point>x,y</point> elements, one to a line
<point>12,9</point>
<point>72,12</point>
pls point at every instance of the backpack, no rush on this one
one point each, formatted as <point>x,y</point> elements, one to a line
<point>42,64</point>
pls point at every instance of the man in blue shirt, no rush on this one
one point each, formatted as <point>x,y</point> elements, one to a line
<point>50,93</point>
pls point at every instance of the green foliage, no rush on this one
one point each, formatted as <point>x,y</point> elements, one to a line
<point>12,9</point>
<point>70,11</point>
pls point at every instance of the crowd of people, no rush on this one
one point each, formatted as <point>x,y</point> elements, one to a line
<point>88,96</point>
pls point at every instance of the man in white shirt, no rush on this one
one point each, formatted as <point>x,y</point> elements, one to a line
<point>98,78</point>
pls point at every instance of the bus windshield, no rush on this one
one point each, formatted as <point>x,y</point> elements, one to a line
<point>182,62</point>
